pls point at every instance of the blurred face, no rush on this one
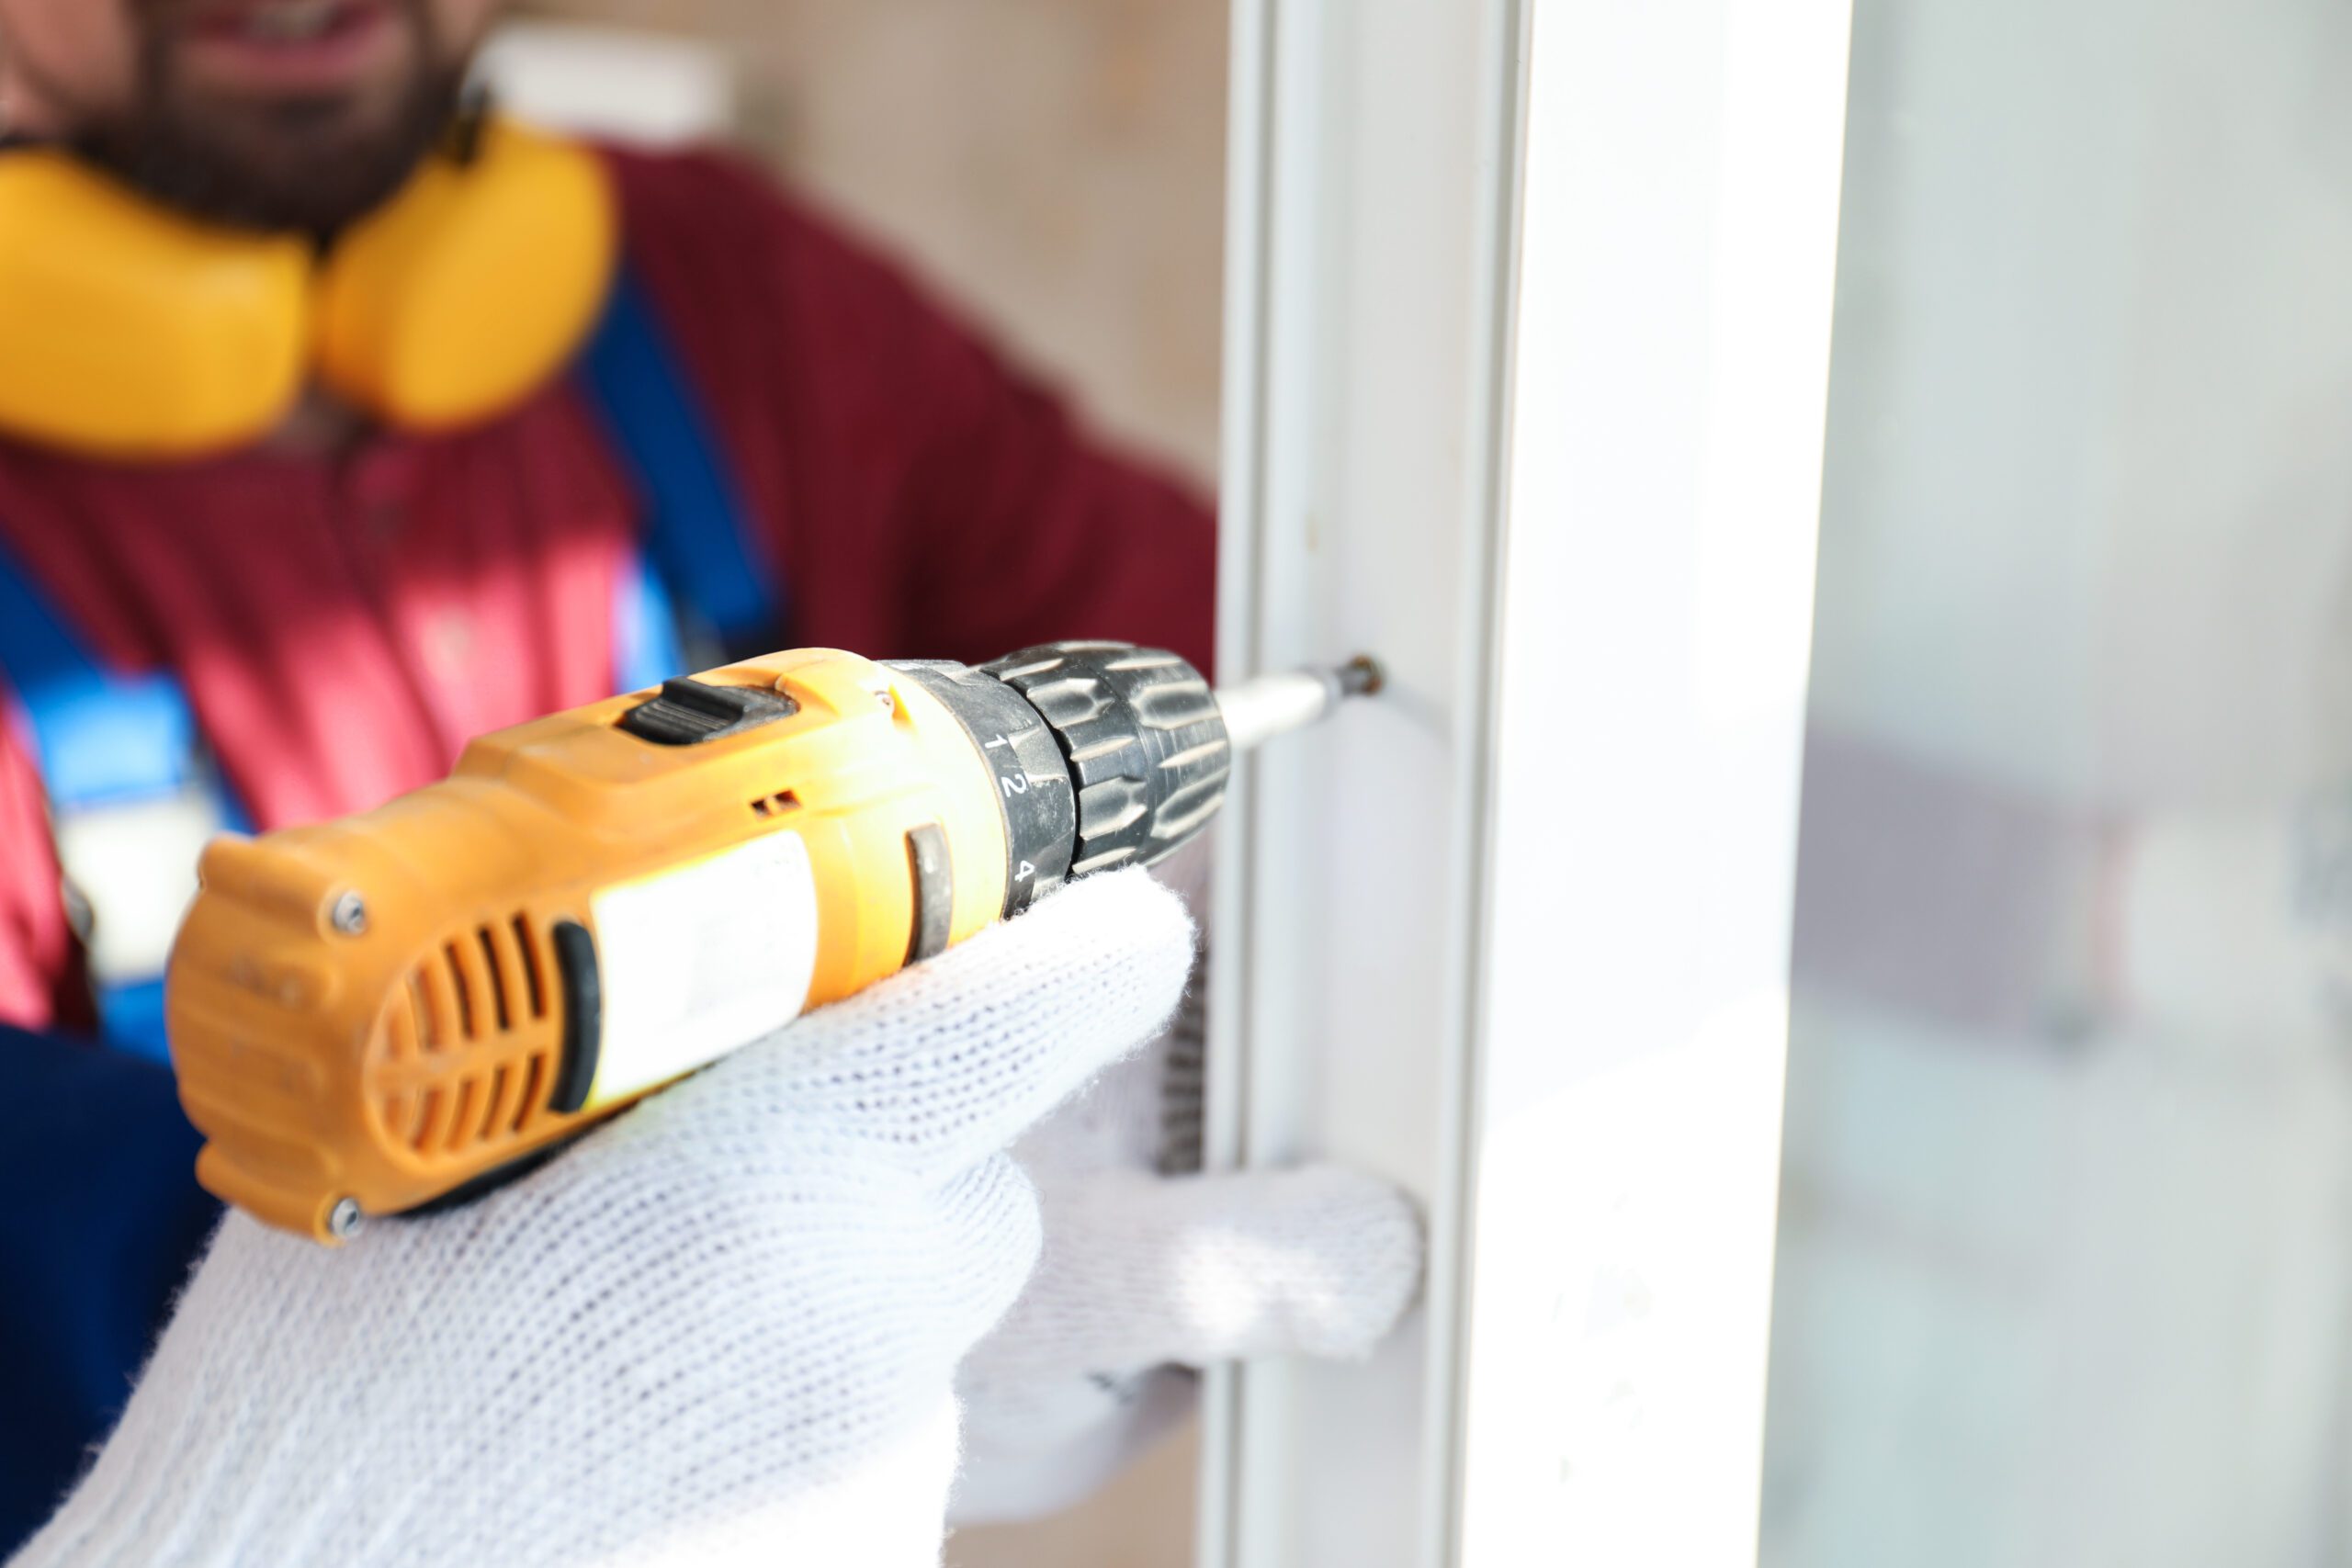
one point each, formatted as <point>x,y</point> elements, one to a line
<point>276,114</point>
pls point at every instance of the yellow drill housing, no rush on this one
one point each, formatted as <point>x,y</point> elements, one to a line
<point>373,1014</point>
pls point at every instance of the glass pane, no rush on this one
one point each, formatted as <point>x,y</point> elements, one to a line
<point>2065,1273</point>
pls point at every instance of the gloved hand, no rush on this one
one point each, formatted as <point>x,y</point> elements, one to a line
<point>1152,1269</point>
<point>724,1324</point>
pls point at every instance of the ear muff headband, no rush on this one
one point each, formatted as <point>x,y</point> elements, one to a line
<point>133,332</point>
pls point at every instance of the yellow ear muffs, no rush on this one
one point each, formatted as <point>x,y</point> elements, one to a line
<point>128,331</point>
<point>471,286</point>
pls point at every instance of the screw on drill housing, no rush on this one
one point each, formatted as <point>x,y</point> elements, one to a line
<point>349,914</point>
<point>346,1218</point>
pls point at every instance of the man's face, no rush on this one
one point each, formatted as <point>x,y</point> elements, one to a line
<point>278,114</point>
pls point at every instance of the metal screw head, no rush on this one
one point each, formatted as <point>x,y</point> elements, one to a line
<point>346,1218</point>
<point>349,915</point>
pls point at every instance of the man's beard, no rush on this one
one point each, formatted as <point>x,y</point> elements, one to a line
<point>308,166</point>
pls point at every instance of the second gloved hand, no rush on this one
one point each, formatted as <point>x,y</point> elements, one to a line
<point>1152,1268</point>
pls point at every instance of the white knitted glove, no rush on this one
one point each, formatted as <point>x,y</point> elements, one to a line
<point>723,1327</point>
<point>1151,1268</point>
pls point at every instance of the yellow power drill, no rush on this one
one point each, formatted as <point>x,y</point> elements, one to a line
<point>372,1015</point>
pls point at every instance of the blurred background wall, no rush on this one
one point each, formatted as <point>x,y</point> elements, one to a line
<point>1055,168</point>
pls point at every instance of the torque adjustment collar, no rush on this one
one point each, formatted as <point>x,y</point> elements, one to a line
<point>1105,754</point>
<point>1033,785</point>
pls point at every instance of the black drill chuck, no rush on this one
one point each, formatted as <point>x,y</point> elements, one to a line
<point>1107,754</point>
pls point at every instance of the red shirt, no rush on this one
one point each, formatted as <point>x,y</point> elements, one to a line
<point>342,626</point>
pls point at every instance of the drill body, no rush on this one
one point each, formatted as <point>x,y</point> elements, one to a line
<point>377,1013</point>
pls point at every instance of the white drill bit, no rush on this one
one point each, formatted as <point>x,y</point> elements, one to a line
<point>1275,705</point>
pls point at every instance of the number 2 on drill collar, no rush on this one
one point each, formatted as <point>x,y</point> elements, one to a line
<point>1015,782</point>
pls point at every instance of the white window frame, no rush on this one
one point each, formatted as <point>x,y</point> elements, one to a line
<point>1516,933</point>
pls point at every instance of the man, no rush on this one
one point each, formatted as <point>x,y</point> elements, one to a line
<point>213,617</point>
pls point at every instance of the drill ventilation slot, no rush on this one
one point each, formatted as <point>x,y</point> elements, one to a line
<point>465,1063</point>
